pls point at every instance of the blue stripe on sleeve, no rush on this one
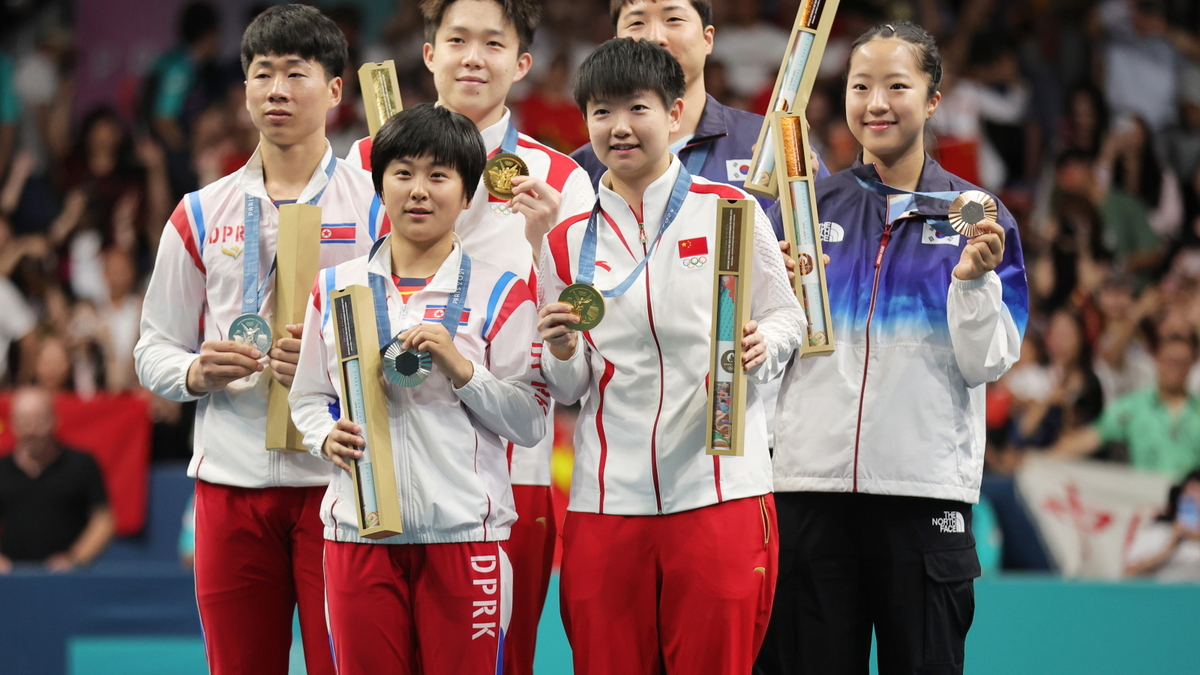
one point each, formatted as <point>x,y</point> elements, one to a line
<point>329,288</point>
<point>494,301</point>
<point>197,216</point>
<point>373,225</point>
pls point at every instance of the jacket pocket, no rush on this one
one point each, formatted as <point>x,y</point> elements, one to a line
<point>949,602</point>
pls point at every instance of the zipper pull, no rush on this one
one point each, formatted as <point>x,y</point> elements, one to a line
<point>641,232</point>
<point>883,242</point>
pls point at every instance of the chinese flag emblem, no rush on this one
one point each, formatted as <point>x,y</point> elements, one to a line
<point>693,247</point>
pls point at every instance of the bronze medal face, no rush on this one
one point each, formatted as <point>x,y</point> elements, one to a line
<point>806,264</point>
<point>499,172</point>
<point>971,208</point>
<point>586,303</point>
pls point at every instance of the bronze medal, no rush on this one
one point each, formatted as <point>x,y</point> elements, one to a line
<point>586,303</point>
<point>969,209</point>
<point>499,172</point>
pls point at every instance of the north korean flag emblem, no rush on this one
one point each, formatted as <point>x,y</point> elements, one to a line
<point>338,234</point>
<point>435,314</point>
<point>693,253</point>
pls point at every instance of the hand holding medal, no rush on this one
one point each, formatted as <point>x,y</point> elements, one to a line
<point>985,246</point>
<point>409,359</point>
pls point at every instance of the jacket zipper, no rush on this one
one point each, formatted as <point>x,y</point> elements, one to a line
<point>661,374</point>
<point>883,242</point>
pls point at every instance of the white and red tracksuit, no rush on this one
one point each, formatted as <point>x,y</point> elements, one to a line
<point>667,551</point>
<point>438,594</point>
<point>258,537</point>
<point>491,231</point>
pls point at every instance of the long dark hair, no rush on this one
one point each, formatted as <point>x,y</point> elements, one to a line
<point>1149,181</point>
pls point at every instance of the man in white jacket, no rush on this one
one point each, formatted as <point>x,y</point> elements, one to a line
<point>668,553</point>
<point>258,534</point>
<point>438,594</point>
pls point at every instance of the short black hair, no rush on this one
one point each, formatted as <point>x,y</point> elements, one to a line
<point>428,130</point>
<point>296,29</point>
<point>198,20</point>
<point>623,67</point>
<point>522,15</point>
<point>702,7</point>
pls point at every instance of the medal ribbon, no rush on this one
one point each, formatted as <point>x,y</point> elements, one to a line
<point>696,158</point>
<point>454,307</point>
<point>252,291</point>
<point>936,220</point>
<point>587,254</point>
<point>509,144</point>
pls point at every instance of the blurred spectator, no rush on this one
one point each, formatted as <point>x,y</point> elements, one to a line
<point>45,88</point>
<point>1074,233</point>
<point>1123,361</point>
<point>1128,160</point>
<point>16,322</point>
<point>980,120</point>
<point>1169,548</point>
<point>52,501</point>
<point>114,197</point>
<point>1125,222</point>
<point>1074,398</point>
<point>182,83</point>
<point>1183,140</point>
<point>551,116</point>
<point>1086,122</point>
<point>119,320</point>
<point>1159,425</point>
<point>1140,63</point>
<point>53,366</point>
<point>751,49</point>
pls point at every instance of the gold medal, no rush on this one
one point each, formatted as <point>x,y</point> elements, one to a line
<point>586,303</point>
<point>971,208</point>
<point>499,172</point>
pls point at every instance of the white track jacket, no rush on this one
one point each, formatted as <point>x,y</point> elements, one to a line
<point>195,293</point>
<point>490,231</point>
<point>642,373</point>
<point>450,461</point>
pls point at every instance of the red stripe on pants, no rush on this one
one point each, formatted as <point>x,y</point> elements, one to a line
<point>688,592</point>
<point>428,609</point>
<point>531,549</point>
<point>258,556</point>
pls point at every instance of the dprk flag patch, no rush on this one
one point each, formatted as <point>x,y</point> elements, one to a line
<point>338,234</point>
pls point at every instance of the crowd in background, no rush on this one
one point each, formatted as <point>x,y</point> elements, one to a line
<point>1082,115</point>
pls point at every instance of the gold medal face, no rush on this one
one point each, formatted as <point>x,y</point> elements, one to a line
<point>586,303</point>
<point>971,208</point>
<point>499,172</point>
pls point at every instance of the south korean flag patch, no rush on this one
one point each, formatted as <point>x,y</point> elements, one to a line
<point>932,236</point>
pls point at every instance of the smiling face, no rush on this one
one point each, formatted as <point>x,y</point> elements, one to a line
<point>675,25</point>
<point>887,100</point>
<point>288,97</point>
<point>475,59</point>
<point>631,135</point>
<point>422,198</point>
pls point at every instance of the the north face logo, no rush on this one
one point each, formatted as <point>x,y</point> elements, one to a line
<point>952,522</point>
<point>832,232</point>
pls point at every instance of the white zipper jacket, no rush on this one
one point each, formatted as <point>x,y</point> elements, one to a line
<point>642,373</point>
<point>450,461</point>
<point>490,231</point>
<point>195,293</point>
<point>898,408</point>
